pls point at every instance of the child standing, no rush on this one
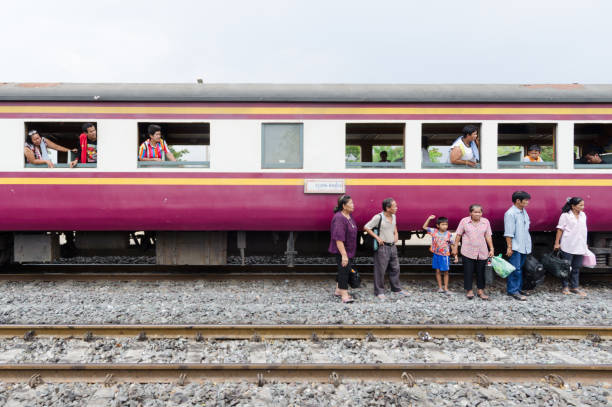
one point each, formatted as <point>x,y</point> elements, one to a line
<point>440,247</point>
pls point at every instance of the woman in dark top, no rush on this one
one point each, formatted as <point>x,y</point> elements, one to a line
<point>343,244</point>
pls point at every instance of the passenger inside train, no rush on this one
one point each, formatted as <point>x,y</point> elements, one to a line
<point>155,148</point>
<point>526,145</point>
<point>438,141</point>
<point>464,150</point>
<point>593,145</point>
<point>87,150</point>
<point>188,144</point>
<point>36,146</point>
<point>533,154</point>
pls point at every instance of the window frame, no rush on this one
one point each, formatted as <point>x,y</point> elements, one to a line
<point>293,166</point>
<point>172,164</point>
<point>29,124</point>
<point>525,165</point>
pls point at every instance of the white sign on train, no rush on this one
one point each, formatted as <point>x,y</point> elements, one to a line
<point>324,186</point>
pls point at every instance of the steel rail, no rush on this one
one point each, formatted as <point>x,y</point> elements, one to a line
<point>335,373</point>
<point>304,331</point>
<point>152,272</point>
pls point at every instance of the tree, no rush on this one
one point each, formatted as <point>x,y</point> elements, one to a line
<point>434,154</point>
<point>178,154</point>
<point>393,153</point>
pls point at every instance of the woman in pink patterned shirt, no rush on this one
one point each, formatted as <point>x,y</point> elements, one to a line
<point>474,232</point>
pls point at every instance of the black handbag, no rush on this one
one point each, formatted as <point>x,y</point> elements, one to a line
<point>533,273</point>
<point>489,275</point>
<point>354,279</point>
<point>369,241</point>
<point>555,265</point>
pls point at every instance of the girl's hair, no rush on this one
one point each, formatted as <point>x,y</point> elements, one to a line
<point>29,136</point>
<point>343,200</point>
<point>575,200</point>
<point>474,206</point>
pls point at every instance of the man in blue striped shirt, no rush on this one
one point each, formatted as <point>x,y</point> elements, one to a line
<point>518,240</point>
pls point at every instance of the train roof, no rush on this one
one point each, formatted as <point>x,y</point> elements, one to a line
<point>316,93</point>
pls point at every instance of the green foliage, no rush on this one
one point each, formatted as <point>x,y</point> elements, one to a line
<point>352,154</point>
<point>505,150</point>
<point>434,154</point>
<point>548,153</point>
<point>393,153</point>
<point>178,154</point>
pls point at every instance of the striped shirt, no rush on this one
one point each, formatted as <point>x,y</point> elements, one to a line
<point>147,150</point>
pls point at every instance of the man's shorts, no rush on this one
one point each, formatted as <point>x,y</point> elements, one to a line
<point>441,263</point>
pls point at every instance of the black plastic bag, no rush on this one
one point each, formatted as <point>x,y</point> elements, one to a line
<point>354,279</point>
<point>489,274</point>
<point>555,265</point>
<point>533,273</point>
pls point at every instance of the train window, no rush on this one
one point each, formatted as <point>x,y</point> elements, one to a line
<point>437,140</point>
<point>282,145</point>
<point>58,144</point>
<point>374,145</point>
<point>174,145</point>
<point>593,145</point>
<point>526,145</point>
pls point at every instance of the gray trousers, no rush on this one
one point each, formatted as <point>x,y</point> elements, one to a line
<point>386,256</point>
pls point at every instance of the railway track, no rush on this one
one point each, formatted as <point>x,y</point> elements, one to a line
<point>409,373</point>
<point>262,373</point>
<point>147,272</point>
<point>303,331</point>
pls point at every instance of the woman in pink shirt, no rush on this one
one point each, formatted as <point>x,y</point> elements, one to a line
<point>474,232</point>
<point>572,240</point>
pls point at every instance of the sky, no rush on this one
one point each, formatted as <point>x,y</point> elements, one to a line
<point>274,41</point>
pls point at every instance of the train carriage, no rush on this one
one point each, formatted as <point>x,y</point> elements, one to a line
<point>274,158</point>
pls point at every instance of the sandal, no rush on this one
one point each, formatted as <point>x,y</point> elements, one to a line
<point>470,296</point>
<point>348,300</point>
<point>579,292</point>
<point>483,297</point>
<point>565,291</point>
<point>519,297</point>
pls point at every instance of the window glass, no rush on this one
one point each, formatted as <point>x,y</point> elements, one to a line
<point>57,144</point>
<point>526,145</point>
<point>593,145</point>
<point>187,143</point>
<point>375,145</point>
<point>436,144</point>
<point>282,145</point>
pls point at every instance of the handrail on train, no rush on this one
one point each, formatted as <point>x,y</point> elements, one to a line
<point>523,164</point>
<point>449,165</point>
<point>174,164</point>
<point>363,164</point>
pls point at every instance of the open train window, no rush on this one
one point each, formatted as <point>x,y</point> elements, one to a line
<point>437,140</point>
<point>374,145</point>
<point>526,145</point>
<point>593,145</point>
<point>174,145</point>
<point>58,144</point>
<point>282,145</point>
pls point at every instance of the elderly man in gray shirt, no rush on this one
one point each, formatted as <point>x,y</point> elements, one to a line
<point>386,255</point>
<point>518,240</point>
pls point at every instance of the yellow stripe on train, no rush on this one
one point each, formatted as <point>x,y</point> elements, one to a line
<point>563,182</point>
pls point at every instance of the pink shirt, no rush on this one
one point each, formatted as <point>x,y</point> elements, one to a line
<point>574,237</point>
<point>473,243</point>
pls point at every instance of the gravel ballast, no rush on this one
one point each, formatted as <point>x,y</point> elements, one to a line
<point>303,394</point>
<point>181,350</point>
<point>287,301</point>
